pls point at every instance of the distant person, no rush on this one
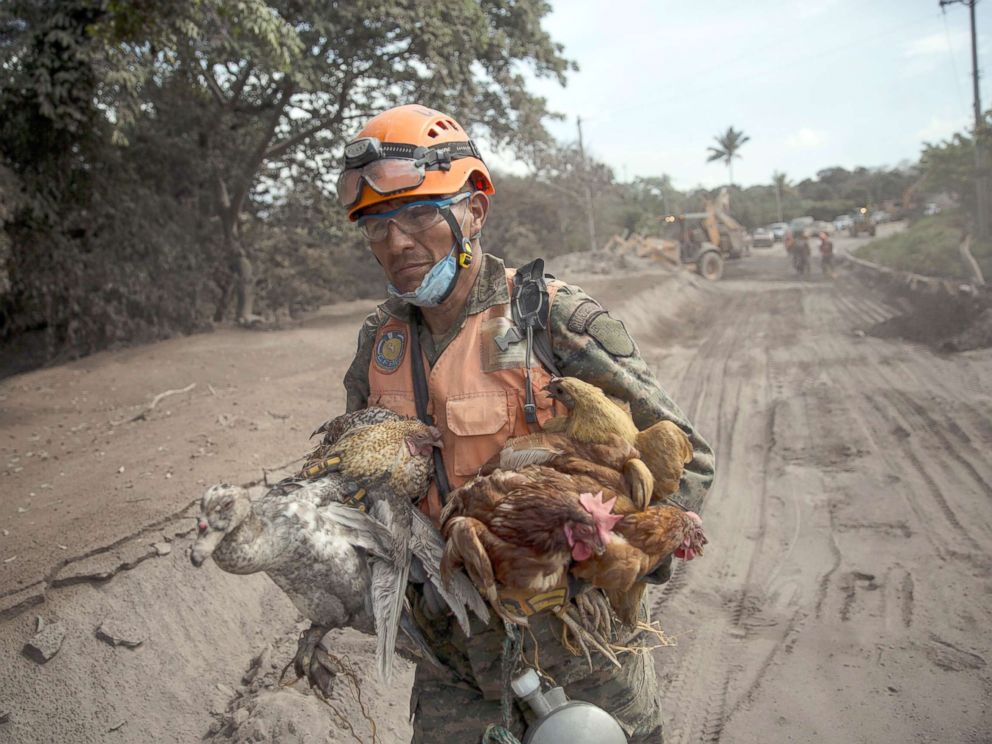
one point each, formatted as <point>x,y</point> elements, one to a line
<point>417,189</point>
<point>800,253</point>
<point>827,255</point>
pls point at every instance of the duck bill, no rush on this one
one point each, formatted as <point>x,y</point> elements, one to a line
<point>204,547</point>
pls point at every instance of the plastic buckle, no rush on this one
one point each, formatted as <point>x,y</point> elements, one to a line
<point>530,413</point>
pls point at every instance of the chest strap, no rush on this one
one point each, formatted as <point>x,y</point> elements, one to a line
<point>420,397</point>
<point>530,308</point>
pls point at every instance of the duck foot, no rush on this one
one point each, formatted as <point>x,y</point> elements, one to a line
<point>312,662</point>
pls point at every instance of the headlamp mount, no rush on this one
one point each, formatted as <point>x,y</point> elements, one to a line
<point>363,151</point>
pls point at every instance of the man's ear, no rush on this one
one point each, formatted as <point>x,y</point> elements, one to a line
<point>478,205</point>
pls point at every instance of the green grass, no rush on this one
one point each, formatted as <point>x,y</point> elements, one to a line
<point>929,247</point>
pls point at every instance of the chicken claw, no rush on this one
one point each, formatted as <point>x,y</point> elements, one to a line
<point>640,481</point>
<point>583,636</point>
<point>596,613</point>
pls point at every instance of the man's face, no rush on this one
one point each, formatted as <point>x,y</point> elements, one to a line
<point>406,259</point>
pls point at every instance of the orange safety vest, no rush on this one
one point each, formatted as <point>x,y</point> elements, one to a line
<point>476,393</point>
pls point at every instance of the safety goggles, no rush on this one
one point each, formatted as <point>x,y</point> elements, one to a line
<point>411,218</point>
<point>394,167</point>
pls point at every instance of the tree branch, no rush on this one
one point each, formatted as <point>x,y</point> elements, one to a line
<point>214,86</point>
<point>240,81</point>
<point>567,192</point>
<point>290,142</point>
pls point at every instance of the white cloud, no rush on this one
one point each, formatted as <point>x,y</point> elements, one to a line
<point>940,128</point>
<point>938,44</point>
<point>806,139</point>
<point>813,8</point>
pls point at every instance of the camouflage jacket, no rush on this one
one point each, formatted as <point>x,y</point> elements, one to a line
<point>587,344</point>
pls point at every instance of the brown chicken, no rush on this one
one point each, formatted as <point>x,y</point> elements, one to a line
<point>593,418</point>
<point>640,541</point>
<point>522,530</point>
<point>604,463</point>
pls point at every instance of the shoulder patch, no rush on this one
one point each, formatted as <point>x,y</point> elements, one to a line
<point>611,335</point>
<point>583,314</point>
<point>389,351</point>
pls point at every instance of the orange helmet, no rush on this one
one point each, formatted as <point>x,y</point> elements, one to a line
<point>407,151</point>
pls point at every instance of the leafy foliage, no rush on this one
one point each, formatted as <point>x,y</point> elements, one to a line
<point>176,155</point>
<point>950,165</point>
<point>930,247</point>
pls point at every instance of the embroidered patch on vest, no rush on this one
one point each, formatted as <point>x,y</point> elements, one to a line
<point>389,351</point>
<point>611,335</point>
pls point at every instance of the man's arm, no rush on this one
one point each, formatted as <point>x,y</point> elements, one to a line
<point>590,344</point>
<point>356,379</point>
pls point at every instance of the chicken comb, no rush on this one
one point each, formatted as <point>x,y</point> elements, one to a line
<point>601,511</point>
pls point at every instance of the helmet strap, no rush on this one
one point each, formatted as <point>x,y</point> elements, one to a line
<point>464,244</point>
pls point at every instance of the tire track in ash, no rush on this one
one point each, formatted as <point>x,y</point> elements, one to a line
<point>888,413</point>
<point>690,695</point>
<point>702,697</point>
<point>693,390</point>
<point>922,421</point>
<point>889,429</point>
<point>929,422</point>
<point>788,635</point>
<point>763,610</point>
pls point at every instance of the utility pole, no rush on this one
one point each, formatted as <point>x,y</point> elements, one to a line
<point>587,190</point>
<point>981,157</point>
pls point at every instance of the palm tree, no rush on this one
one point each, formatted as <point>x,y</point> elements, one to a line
<point>781,182</point>
<point>729,144</point>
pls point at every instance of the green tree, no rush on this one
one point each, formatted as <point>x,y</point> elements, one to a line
<point>728,147</point>
<point>174,130</point>
<point>949,166</point>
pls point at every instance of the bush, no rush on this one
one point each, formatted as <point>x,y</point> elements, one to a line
<point>930,247</point>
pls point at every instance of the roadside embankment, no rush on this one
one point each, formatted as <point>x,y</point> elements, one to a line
<point>950,313</point>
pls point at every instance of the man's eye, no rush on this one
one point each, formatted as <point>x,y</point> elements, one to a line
<point>421,215</point>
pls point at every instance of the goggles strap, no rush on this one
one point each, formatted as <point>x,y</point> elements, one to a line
<point>435,155</point>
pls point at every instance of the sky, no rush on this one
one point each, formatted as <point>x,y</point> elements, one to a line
<point>814,83</point>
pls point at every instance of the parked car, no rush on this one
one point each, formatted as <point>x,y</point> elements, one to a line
<point>778,230</point>
<point>824,227</point>
<point>880,216</point>
<point>931,209</point>
<point>843,222</point>
<point>762,237</point>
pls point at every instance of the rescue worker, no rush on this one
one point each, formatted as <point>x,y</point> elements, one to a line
<point>420,192</point>
<point>826,255</point>
<point>801,253</point>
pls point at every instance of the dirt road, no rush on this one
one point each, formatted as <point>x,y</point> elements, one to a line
<point>844,597</point>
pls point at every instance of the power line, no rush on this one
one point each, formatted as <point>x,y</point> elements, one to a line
<point>954,65</point>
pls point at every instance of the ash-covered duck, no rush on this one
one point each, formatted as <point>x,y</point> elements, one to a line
<point>340,566</point>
